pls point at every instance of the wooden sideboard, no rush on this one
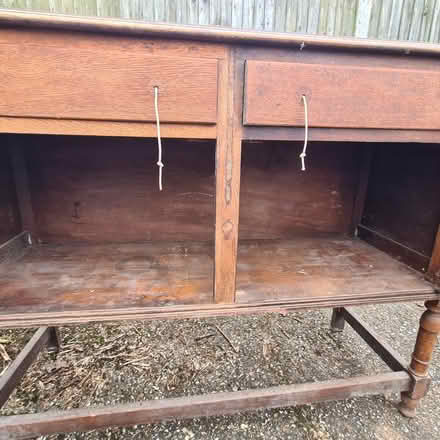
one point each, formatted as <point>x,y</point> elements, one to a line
<point>239,227</point>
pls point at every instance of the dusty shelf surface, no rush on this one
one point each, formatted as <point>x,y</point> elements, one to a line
<point>84,282</point>
<point>50,278</point>
<point>323,268</point>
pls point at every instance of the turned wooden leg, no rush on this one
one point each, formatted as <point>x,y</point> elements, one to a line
<point>425,344</point>
<point>54,342</point>
<point>338,322</point>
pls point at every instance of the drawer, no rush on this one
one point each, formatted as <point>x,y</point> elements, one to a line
<point>341,96</point>
<point>74,83</point>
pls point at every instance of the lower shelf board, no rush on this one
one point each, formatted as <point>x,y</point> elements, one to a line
<point>67,284</point>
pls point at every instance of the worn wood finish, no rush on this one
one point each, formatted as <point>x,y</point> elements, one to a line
<point>380,347</point>
<point>106,189</point>
<point>9,215</point>
<point>12,376</point>
<point>402,199</point>
<point>105,128</point>
<point>158,274</point>
<point>199,33</point>
<point>425,344</point>
<point>337,322</point>
<point>360,18</point>
<point>22,185</point>
<point>274,90</point>
<point>160,280</point>
<point>319,267</point>
<point>339,134</point>
<point>109,85</point>
<point>55,278</point>
<point>228,161</point>
<point>365,158</point>
<point>392,247</point>
<point>33,425</point>
<point>434,264</point>
<point>278,200</point>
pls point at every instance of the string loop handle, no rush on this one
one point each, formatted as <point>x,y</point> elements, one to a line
<point>159,140</point>
<point>306,133</point>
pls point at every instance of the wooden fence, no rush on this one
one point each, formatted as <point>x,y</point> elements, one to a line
<point>416,20</point>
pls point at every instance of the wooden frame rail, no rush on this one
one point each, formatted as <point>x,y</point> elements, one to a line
<point>84,419</point>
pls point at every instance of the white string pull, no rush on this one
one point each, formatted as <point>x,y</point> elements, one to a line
<point>159,141</point>
<point>306,134</point>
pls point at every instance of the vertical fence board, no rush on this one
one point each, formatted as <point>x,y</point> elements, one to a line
<point>313,17</point>
<point>237,14</point>
<point>363,15</point>
<point>291,16</point>
<point>269,9</point>
<point>385,16</point>
<point>248,14</point>
<point>417,20</point>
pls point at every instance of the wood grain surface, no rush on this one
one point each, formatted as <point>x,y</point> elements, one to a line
<point>158,277</point>
<point>92,189</point>
<point>9,216</point>
<point>341,96</point>
<point>320,267</point>
<point>80,81</point>
<point>278,200</point>
<point>77,277</point>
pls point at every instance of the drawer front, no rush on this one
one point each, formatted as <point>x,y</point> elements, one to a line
<point>341,96</point>
<point>72,83</point>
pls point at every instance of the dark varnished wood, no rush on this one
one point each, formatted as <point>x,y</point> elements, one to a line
<point>106,189</point>
<point>54,278</point>
<point>421,358</point>
<point>87,283</point>
<point>33,425</point>
<point>12,376</point>
<point>22,185</point>
<point>374,340</point>
<point>9,215</point>
<point>434,264</point>
<point>320,267</point>
<point>403,195</point>
<point>278,200</point>
<point>228,159</point>
<point>392,247</point>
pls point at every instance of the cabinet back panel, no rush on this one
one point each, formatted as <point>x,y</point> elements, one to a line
<point>278,200</point>
<point>403,199</point>
<point>9,217</point>
<point>106,189</point>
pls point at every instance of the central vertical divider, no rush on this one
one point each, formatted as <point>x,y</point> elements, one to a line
<point>228,163</point>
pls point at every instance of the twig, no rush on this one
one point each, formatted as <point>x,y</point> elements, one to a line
<point>209,335</point>
<point>283,332</point>
<point>4,353</point>
<point>227,339</point>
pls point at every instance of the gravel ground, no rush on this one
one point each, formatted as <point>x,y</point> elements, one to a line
<point>150,360</point>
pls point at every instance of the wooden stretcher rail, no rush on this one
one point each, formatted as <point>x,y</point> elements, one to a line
<point>85,419</point>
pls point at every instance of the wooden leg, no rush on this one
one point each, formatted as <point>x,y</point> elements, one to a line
<point>54,342</point>
<point>338,322</point>
<point>425,344</point>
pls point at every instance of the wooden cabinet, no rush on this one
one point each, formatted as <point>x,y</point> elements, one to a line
<point>341,95</point>
<point>80,83</point>
<point>87,234</point>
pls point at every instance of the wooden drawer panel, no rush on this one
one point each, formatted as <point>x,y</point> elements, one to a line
<point>341,96</point>
<point>74,83</point>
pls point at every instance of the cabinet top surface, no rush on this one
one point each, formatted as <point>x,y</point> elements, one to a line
<point>13,18</point>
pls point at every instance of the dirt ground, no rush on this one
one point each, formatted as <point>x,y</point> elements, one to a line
<point>107,364</point>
